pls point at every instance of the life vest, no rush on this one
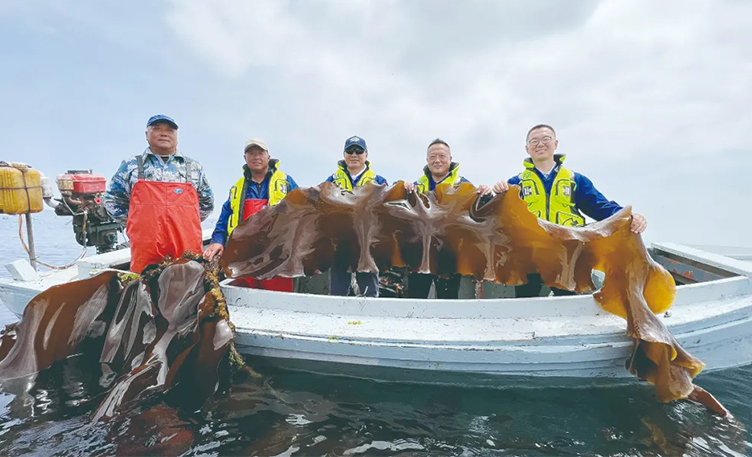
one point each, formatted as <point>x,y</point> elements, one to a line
<point>424,182</point>
<point>341,177</point>
<point>559,207</point>
<point>278,188</point>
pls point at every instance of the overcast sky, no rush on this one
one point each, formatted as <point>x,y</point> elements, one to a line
<point>650,99</point>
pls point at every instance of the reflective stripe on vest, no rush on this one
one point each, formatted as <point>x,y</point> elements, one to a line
<point>424,184</point>
<point>559,207</point>
<point>342,179</point>
<point>278,188</point>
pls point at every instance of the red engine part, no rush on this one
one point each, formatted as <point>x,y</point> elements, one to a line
<point>88,184</point>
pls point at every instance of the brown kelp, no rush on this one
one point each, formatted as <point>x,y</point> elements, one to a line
<point>168,330</point>
<point>452,230</point>
<point>151,333</point>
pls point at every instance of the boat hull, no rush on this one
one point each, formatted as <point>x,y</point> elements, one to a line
<point>543,337</point>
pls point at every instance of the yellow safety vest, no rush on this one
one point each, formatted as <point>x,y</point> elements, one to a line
<point>424,184</point>
<point>341,177</point>
<point>277,190</point>
<point>559,207</point>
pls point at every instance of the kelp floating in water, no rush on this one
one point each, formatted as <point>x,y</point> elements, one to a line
<point>165,330</point>
<point>448,232</point>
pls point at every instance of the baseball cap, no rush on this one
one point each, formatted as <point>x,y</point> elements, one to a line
<point>162,119</point>
<point>255,142</point>
<point>355,141</point>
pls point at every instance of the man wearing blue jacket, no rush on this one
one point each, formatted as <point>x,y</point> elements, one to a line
<point>557,194</point>
<point>354,171</point>
<point>262,184</point>
<point>440,168</point>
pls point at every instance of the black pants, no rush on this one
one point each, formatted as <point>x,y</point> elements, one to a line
<point>534,286</point>
<point>418,286</point>
<point>340,279</point>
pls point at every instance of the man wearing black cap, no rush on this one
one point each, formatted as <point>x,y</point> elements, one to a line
<point>161,196</point>
<point>354,171</point>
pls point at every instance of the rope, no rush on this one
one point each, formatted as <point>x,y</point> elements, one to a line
<point>26,184</point>
<point>73,213</point>
<point>53,267</point>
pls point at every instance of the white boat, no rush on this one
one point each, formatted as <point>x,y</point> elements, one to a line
<point>467,340</point>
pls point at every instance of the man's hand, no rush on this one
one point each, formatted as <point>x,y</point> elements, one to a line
<point>639,223</point>
<point>409,187</point>
<point>484,190</point>
<point>212,250</point>
<point>501,187</point>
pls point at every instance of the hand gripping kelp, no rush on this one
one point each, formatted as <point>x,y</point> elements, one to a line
<point>449,231</point>
<point>166,330</point>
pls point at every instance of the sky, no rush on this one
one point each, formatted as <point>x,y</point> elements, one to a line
<point>650,99</point>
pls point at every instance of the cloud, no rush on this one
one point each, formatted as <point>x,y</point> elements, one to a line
<point>635,77</point>
<point>647,97</point>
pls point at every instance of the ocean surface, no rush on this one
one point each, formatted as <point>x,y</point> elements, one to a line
<point>299,414</point>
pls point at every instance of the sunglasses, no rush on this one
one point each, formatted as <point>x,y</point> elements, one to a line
<point>352,151</point>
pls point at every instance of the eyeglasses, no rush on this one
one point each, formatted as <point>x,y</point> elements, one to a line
<point>535,141</point>
<point>352,151</point>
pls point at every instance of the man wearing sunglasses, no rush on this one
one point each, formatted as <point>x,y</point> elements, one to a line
<point>557,194</point>
<point>354,171</point>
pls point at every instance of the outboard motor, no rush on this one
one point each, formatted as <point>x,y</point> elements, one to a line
<point>81,197</point>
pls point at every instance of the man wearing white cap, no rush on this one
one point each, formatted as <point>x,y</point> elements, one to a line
<point>262,184</point>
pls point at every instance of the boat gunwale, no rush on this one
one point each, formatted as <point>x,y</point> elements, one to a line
<point>509,308</point>
<point>687,331</point>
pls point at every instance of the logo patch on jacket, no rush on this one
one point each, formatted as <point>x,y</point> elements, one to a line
<point>527,191</point>
<point>567,191</point>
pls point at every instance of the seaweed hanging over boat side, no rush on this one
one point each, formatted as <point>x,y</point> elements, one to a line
<point>450,231</point>
<point>165,330</point>
<point>63,320</point>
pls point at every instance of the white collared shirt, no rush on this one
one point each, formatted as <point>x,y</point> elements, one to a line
<point>355,178</point>
<point>548,173</point>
